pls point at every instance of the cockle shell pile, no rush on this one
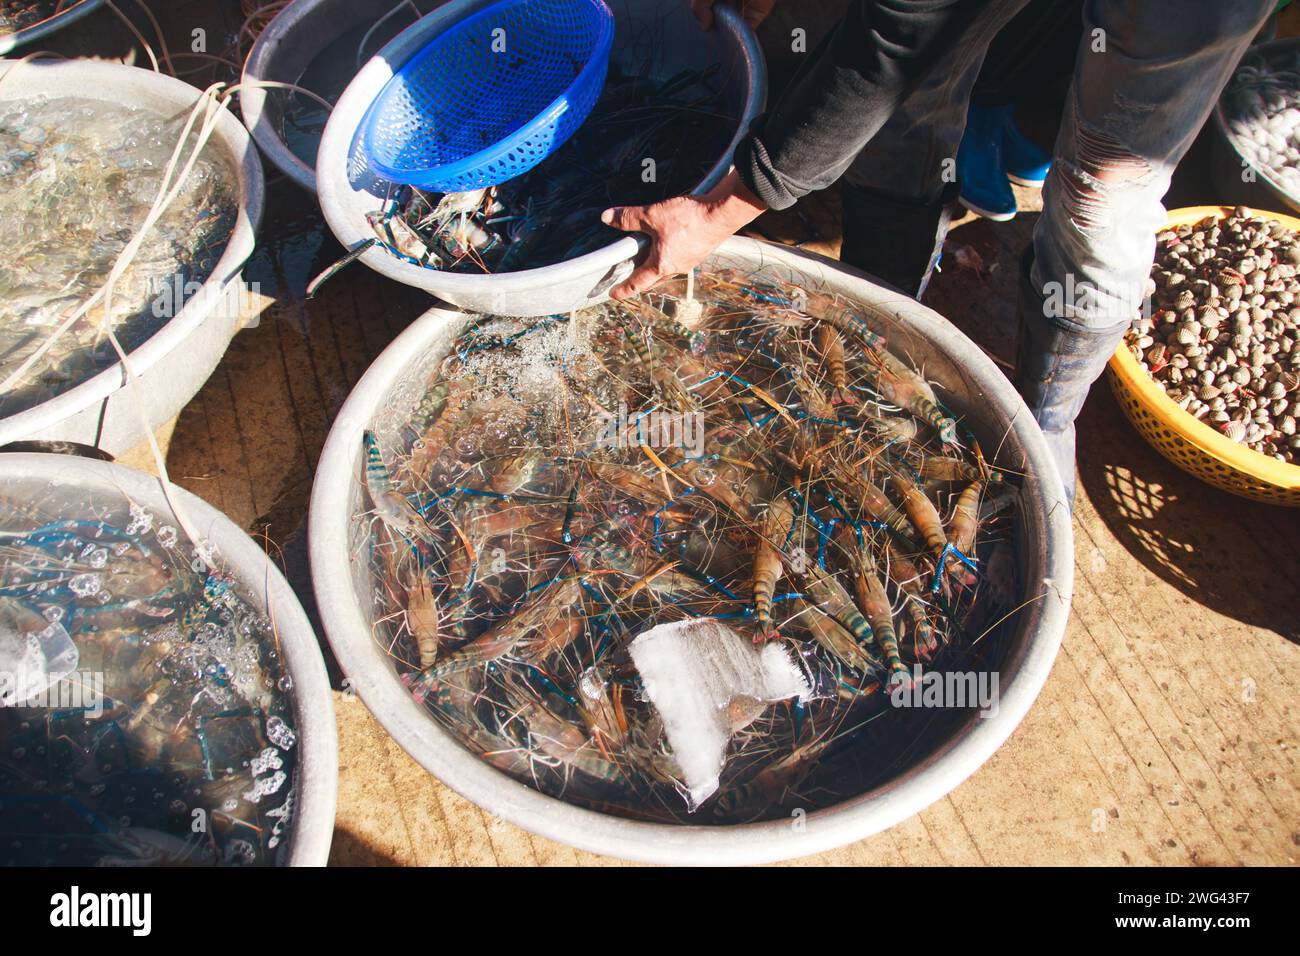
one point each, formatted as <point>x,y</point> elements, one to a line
<point>545,500</point>
<point>1222,335</point>
<point>147,717</point>
<point>79,177</point>
<point>1262,108</point>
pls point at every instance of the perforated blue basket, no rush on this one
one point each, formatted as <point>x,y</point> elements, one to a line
<point>491,97</point>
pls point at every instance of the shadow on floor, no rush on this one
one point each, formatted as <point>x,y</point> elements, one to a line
<point>1231,555</point>
<point>976,285</point>
<point>348,849</point>
<point>250,440</point>
<point>813,223</point>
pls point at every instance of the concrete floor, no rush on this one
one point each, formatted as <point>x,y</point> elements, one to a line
<point>1167,732</point>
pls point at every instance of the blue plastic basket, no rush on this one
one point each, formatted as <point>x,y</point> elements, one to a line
<point>491,97</point>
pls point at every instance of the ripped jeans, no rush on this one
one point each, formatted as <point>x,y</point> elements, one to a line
<point>1147,75</point>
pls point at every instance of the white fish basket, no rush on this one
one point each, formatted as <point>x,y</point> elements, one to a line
<point>970,385</point>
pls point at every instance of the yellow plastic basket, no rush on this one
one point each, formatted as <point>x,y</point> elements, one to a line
<point>1186,441</point>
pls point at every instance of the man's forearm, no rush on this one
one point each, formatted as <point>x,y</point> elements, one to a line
<point>849,88</point>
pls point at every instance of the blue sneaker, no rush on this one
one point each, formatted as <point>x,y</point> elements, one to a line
<point>1023,162</point>
<point>984,187</point>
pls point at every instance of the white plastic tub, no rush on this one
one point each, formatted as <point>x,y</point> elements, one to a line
<point>262,585</point>
<point>1229,166</point>
<point>175,361</point>
<point>348,191</point>
<point>970,385</point>
<point>284,50</point>
<point>70,14</point>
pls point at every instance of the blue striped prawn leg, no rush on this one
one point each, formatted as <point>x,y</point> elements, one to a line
<point>907,577</point>
<point>773,531</point>
<point>832,636</point>
<point>963,529</point>
<point>558,738</point>
<point>920,510</point>
<point>397,514</point>
<point>831,347</point>
<point>830,597</point>
<point>874,603</point>
<point>872,500</point>
<point>850,323</point>
<point>539,611</point>
<point>903,387</point>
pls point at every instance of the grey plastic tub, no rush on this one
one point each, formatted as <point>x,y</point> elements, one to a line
<point>262,585</point>
<point>1228,165</point>
<point>175,361</point>
<point>972,386</point>
<point>284,50</point>
<point>73,13</point>
<point>348,190</point>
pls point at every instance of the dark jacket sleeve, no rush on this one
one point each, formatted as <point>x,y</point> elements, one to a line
<point>846,91</point>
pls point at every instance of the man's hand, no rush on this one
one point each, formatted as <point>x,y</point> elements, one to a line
<point>754,11</point>
<point>683,230</point>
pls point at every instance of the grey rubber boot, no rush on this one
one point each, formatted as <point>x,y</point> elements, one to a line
<point>1056,364</point>
<point>896,240</point>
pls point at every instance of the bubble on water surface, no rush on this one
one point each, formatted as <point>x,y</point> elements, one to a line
<point>69,214</point>
<point>267,760</point>
<point>141,521</point>
<point>265,786</point>
<point>167,652</point>
<point>240,853</point>
<point>280,734</point>
<point>85,585</point>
